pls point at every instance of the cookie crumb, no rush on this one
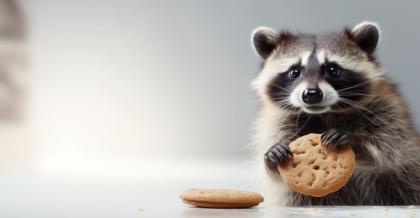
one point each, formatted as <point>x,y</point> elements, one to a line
<point>312,210</point>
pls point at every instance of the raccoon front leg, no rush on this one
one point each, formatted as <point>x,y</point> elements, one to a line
<point>277,154</point>
<point>394,160</point>
<point>391,151</point>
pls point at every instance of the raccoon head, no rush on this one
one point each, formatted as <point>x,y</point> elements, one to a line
<point>316,73</point>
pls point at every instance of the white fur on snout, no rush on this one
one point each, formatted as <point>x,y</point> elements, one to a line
<point>330,97</point>
<point>295,97</point>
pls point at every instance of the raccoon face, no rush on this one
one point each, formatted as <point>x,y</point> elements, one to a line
<point>316,73</point>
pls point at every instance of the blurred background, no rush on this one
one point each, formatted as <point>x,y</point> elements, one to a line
<point>152,91</point>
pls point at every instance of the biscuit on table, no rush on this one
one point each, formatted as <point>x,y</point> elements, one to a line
<point>315,170</point>
<point>221,198</point>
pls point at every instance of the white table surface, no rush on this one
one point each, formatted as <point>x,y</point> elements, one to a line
<point>78,193</point>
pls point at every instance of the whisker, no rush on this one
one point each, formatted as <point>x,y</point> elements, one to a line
<point>287,91</point>
<point>355,94</point>
<point>356,105</point>
<point>298,130</point>
<point>286,104</point>
<point>353,86</point>
<point>361,112</point>
<point>285,98</point>
<point>297,118</point>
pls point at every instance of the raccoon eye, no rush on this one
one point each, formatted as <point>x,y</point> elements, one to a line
<point>294,73</point>
<point>332,70</point>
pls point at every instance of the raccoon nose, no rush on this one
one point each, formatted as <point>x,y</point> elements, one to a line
<point>312,96</point>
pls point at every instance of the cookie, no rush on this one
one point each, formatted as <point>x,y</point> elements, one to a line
<point>315,170</point>
<point>221,198</point>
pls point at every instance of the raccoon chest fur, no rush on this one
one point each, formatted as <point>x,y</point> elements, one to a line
<point>305,124</point>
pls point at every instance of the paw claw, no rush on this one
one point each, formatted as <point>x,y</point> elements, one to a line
<point>336,137</point>
<point>345,139</point>
<point>277,154</point>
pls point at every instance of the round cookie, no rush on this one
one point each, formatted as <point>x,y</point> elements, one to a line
<point>315,170</point>
<point>221,198</point>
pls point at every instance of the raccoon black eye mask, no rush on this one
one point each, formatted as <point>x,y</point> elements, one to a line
<point>349,85</point>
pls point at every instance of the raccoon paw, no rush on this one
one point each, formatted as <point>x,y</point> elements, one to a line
<point>277,154</point>
<point>337,138</point>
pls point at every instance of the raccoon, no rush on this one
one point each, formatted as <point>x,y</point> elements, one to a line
<point>332,84</point>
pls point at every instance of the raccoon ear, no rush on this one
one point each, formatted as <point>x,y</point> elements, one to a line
<point>366,35</point>
<point>264,41</point>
